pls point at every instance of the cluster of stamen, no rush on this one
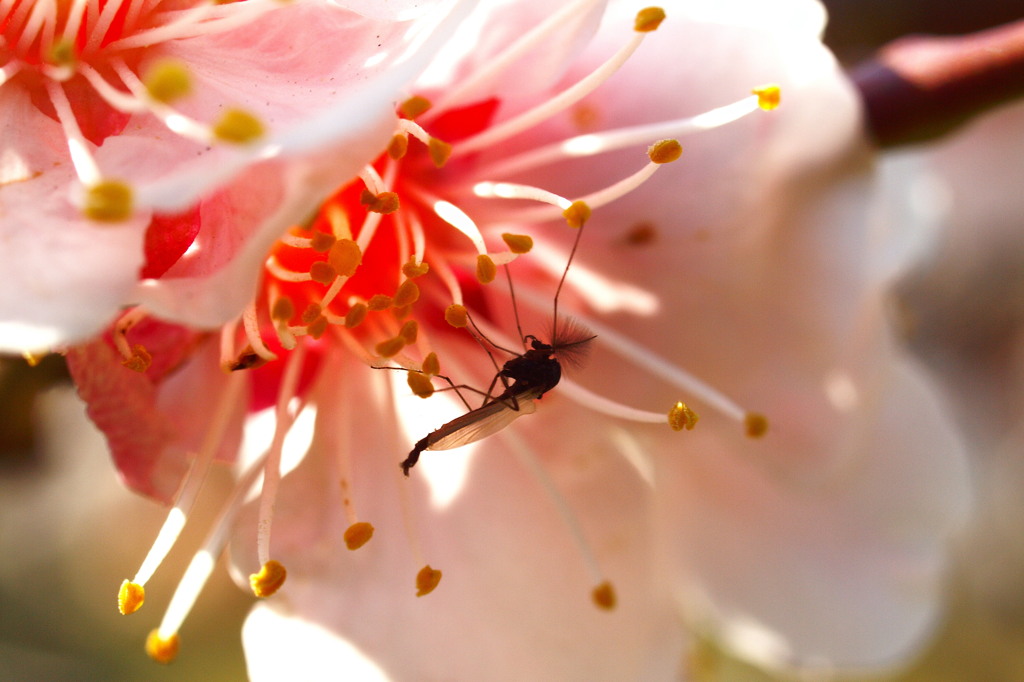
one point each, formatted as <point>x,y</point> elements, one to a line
<point>320,285</point>
<point>47,43</point>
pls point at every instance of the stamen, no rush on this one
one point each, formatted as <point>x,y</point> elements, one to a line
<point>529,41</point>
<point>603,594</point>
<point>659,154</point>
<point>457,218</point>
<point>426,580</point>
<point>768,96</point>
<point>171,529</point>
<point>272,470</point>
<point>757,424</point>
<point>268,580</point>
<point>168,80</point>
<point>682,417</point>
<point>200,568</point>
<point>252,333</point>
<point>518,243</point>
<point>162,649</point>
<point>486,270</point>
<point>552,106</point>
<point>237,127</point>
<point>420,384</point>
<point>358,534</point>
<point>414,107</point>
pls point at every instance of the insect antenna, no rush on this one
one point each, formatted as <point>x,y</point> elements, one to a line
<point>565,272</point>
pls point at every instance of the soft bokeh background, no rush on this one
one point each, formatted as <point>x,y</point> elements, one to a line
<point>69,533</point>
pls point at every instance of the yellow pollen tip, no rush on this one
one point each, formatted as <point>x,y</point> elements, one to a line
<point>322,272</point>
<point>682,417</point>
<point>391,347</point>
<point>431,365</point>
<point>648,19</point>
<point>518,243</point>
<point>439,152</point>
<point>383,203</point>
<point>62,52</point>
<point>604,596</point>
<point>237,127</point>
<point>358,534</point>
<point>426,580</point>
<point>283,309</point>
<point>269,579</point>
<point>420,385</point>
<point>162,649</point>
<point>407,294</point>
<point>140,359</point>
<point>379,302</point>
<point>768,96</point>
<point>108,201</point>
<point>756,424</point>
<point>414,106</point>
<point>577,214</point>
<point>33,359</point>
<point>665,151</point>
<point>456,315</point>
<point>167,81</point>
<point>486,270</point>
<point>412,269</point>
<point>130,597</point>
<point>410,330</point>
<point>345,256</point>
<point>355,315</point>
<point>321,242</point>
<point>398,147</point>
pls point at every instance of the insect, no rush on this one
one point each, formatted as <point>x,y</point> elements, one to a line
<point>526,377</point>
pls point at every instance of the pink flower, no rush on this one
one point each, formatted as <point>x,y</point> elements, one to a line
<point>119,116</point>
<point>745,261</point>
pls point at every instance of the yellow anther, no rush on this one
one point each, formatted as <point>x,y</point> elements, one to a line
<point>33,359</point>
<point>604,596</point>
<point>162,649</point>
<point>168,80</point>
<point>486,270</point>
<point>269,579</point>
<point>456,315</point>
<point>412,269</point>
<point>414,106</point>
<point>355,315</point>
<point>682,417</point>
<point>345,256</point>
<point>431,365</point>
<point>108,201</point>
<point>383,203</point>
<point>426,580</point>
<point>756,424</point>
<point>62,52</point>
<point>398,146</point>
<point>358,534</point>
<point>407,294</point>
<point>518,243</point>
<point>768,96</point>
<point>283,309</point>
<point>379,302</point>
<point>317,327</point>
<point>321,242</point>
<point>312,311</point>
<point>130,597</point>
<point>322,272</point>
<point>648,19</point>
<point>665,151</point>
<point>238,127</point>
<point>577,214</point>
<point>439,152</point>
<point>410,330</point>
<point>420,385</point>
<point>140,359</point>
<point>391,347</point>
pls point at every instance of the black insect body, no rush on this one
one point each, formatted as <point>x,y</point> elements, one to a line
<point>532,374</point>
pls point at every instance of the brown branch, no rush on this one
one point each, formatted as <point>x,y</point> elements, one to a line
<point>921,87</point>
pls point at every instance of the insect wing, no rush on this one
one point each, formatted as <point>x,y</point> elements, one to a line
<point>480,423</point>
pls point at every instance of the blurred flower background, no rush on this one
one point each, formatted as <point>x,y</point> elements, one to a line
<point>69,531</point>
